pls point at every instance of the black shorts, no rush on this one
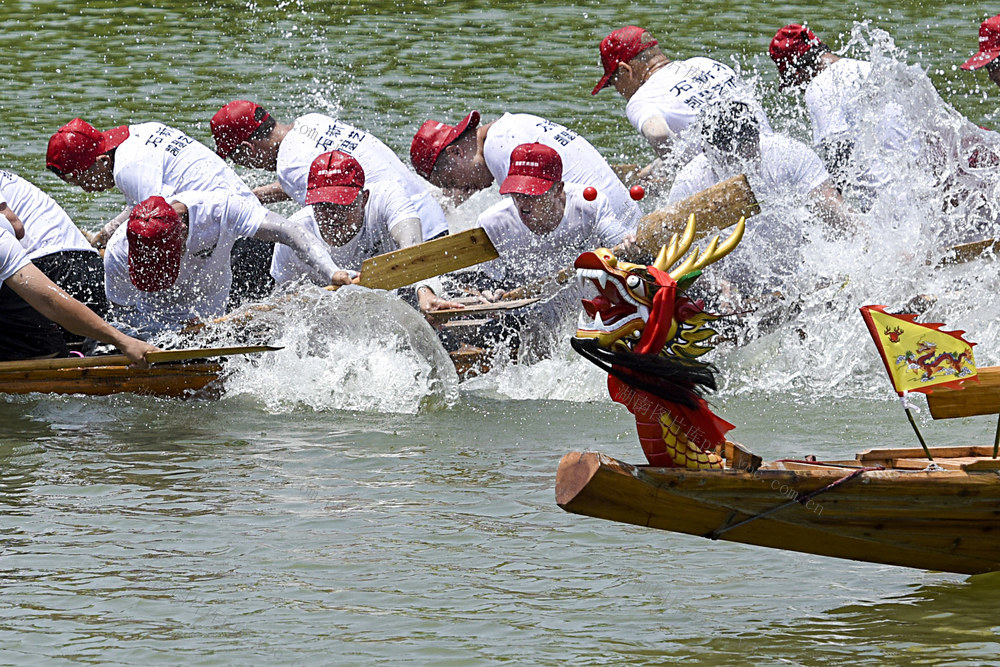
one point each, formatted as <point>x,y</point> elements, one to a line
<point>251,264</point>
<point>24,332</point>
<point>80,273</point>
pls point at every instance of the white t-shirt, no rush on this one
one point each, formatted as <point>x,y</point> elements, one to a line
<point>526,256</point>
<point>679,91</point>
<point>387,207</point>
<point>787,168</point>
<point>12,255</point>
<point>582,163</point>
<point>161,160</point>
<point>834,98</point>
<point>215,220</point>
<point>47,227</point>
<point>315,134</point>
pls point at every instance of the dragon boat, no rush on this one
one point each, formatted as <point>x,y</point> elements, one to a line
<point>892,506</point>
<point>184,373</point>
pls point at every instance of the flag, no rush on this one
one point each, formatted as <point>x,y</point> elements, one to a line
<point>919,356</point>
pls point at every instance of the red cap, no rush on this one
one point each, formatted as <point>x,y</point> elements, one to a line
<point>155,244</point>
<point>432,138</point>
<point>74,147</point>
<point>234,123</point>
<point>620,47</point>
<point>334,178</point>
<point>789,45</point>
<point>989,45</point>
<point>534,168</point>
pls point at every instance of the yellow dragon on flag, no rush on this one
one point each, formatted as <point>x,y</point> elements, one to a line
<point>917,355</point>
<point>643,330</point>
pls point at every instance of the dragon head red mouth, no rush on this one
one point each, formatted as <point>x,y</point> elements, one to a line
<point>620,308</point>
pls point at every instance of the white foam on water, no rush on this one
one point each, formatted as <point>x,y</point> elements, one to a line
<point>354,349</point>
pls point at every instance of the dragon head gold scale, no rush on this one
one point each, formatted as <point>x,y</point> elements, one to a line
<point>629,294</point>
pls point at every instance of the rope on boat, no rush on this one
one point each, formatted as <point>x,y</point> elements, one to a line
<point>802,500</point>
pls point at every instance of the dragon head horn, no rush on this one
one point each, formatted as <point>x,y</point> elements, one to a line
<point>672,252</point>
<point>696,260</point>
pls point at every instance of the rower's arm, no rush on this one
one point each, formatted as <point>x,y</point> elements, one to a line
<point>270,193</point>
<point>407,232</point>
<point>51,301</point>
<point>15,222</point>
<point>101,238</point>
<point>659,135</point>
<point>308,247</point>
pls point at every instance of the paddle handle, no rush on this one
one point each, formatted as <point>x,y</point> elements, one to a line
<point>717,207</point>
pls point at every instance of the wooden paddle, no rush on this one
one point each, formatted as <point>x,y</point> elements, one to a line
<point>165,356</point>
<point>965,252</point>
<point>480,309</point>
<point>406,266</point>
<point>717,207</point>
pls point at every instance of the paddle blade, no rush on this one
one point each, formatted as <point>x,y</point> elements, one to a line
<point>426,260</point>
<point>716,207</point>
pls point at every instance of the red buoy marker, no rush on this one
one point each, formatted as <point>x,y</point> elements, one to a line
<point>590,193</point>
<point>637,192</point>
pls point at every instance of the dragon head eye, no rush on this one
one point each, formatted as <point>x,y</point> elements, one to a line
<point>633,281</point>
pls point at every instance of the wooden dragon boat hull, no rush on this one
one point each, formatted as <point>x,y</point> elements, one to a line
<point>903,514</point>
<point>167,380</point>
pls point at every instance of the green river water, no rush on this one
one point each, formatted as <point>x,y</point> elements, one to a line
<point>328,510</point>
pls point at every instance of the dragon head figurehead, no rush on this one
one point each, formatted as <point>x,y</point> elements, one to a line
<point>647,334</point>
<point>643,309</point>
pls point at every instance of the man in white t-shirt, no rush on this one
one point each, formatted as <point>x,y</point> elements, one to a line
<point>777,167</point>
<point>545,223</point>
<point>356,220</point>
<point>31,305</point>
<point>245,132</point>
<point>147,159</point>
<point>835,95</point>
<point>665,96</point>
<point>171,263</point>
<point>787,177</point>
<point>470,157</point>
<point>53,242</point>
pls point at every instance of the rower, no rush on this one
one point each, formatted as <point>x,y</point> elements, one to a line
<point>54,244</point>
<point>172,262</point>
<point>989,50</point>
<point>246,133</point>
<point>665,96</point>
<point>545,222</point>
<point>835,87</point>
<point>784,174</point>
<point>470,157</point>
<point>31,305</point>
<point>147,159</point>
<point>356,220</point>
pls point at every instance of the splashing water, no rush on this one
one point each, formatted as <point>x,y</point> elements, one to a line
<point>943,192</point>
<point>353,349</point>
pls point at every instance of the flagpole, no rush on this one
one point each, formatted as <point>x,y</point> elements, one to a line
<point>909,415</point>
<point>996,439</point>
